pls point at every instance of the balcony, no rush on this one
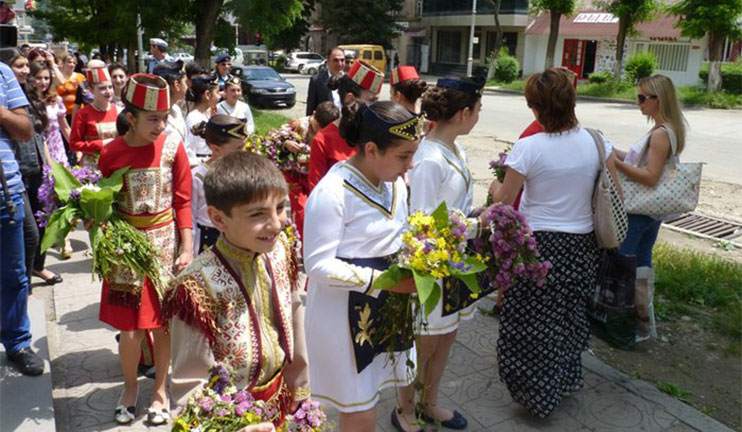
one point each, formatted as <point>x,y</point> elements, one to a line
<point>463,7</point>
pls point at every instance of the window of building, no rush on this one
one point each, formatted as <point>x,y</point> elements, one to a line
<point>670,57</point>
<point>509,40</point>
<point>449,46</point>
<point>476,46</point>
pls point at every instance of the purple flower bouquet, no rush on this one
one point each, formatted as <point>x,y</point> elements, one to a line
<point>272,146</point>
<point>510,249</point>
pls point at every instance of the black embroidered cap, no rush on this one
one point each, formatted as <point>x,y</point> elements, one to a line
<point>474,86</point>
<point>236,129</point>
<point>169,68</point>
<point>212,79</point>
<point>410,130</point>
<point>234,80</point>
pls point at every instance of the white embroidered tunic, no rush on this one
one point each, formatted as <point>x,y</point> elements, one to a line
<point>440,174</point>
<point>348,217</point>
<point>240,110</point>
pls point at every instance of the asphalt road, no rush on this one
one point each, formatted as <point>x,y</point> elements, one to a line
<point>714,137</point>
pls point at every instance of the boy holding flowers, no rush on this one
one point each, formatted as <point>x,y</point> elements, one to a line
<point>238,303</point>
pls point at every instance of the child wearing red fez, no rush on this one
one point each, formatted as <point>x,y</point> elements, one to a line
<point>156,199</point>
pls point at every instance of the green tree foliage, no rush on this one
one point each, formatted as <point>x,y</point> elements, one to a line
<point>719,20</point>
<point>629,14</point>
<point>290,38</point>
<point>361,21</point>
<point>556,9</point>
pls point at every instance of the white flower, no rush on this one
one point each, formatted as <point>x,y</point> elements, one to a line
<point>92,187</point>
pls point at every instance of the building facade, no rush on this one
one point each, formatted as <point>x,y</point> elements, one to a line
<point>587,43</point>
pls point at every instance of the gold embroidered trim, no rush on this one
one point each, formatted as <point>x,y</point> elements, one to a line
<point>366,324</point>
<point>357,281</point>
<point>363,178</point>
<point>388,213</point>
<point>366,402</point>
<point>302,393</point>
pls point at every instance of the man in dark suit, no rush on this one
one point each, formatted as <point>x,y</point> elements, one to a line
<point>318,91</point>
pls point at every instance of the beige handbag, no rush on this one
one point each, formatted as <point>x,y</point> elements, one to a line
<point>609,215</point>
<point>676,192</point>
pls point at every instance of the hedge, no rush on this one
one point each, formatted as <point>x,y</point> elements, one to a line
<point>731,76</point>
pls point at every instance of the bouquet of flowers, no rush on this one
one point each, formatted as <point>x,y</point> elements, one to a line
<point>498,166</point>
<point>48,198</point>
<point>510,250</point>
<point>219,406</point>
<point>273,146</point>
<point>434,247</point>
<point>114,242</point>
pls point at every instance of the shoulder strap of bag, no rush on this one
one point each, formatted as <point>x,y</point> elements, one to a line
<point>673,147</point>
<point>599,145</point>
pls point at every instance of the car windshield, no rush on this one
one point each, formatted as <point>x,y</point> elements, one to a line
<point>262,74</point>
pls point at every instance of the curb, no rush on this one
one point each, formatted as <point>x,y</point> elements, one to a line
<point>682,411</point>
<point>495,90</point>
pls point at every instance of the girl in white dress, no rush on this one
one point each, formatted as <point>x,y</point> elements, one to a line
<point>204,94</point>
<point>354,221</point>
<point>441,173</point>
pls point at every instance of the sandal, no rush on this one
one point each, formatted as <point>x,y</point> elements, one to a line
<point>125,414</point>
<point>157,417</point>
<point>49,281</point>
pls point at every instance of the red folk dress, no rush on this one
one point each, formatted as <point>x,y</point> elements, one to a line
<point>156,199</point>
<point>328,148</point>
<point>89,128</point>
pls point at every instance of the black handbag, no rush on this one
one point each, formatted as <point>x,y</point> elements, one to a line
<point>611,308</point>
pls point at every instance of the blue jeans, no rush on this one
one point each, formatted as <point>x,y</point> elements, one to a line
<point>15,327</point>
<point>640,239</point>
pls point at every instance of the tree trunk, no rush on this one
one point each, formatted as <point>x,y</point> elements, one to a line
<point>620,40</point>
<point>553,36</point>
<point>131,61</point>
<point>498,40</point>
<point>715,46</point>
<point>205,26</point>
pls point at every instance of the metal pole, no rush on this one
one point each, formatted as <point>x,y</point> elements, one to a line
<point>470,60</point>
<point>140,45</point>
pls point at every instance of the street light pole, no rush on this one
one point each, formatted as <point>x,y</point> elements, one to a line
<point>470,60</point>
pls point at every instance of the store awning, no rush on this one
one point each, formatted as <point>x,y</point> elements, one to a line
<point>596,24</point>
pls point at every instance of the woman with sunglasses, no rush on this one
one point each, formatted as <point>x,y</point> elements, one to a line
<point>644,163</point>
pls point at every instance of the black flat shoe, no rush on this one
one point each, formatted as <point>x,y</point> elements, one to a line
<point>52,280</point>
<point>397,425</point>
<point>457,422</point>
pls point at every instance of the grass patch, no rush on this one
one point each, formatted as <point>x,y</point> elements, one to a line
<point>690,95</point>
<point>515,85</point>
<point>674,390</point>
<point>688,280</point>
<point>610,89</point>
<point>266,120</point>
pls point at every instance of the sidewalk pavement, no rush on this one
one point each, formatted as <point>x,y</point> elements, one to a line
<point>87,377</point>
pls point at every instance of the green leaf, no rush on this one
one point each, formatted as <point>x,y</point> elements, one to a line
<point>425,285</point>
<point>115,181</point>
<point>390,277</point>
<point>64,181</point>
<point>470,280</point>
<point>440,215</point>
<point>96,205</point>
<point>58,227</point>
<point>432,301</point>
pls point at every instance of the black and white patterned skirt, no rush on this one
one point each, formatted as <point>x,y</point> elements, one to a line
<point>543,331</point>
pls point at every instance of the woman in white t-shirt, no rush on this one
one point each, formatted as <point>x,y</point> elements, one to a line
<point>204,93</point>
<point>543,330</point>
<point>233,106</point>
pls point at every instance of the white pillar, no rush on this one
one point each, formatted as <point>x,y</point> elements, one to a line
<point>470,60</point>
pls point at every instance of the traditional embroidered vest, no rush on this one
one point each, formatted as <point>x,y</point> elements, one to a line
<point>210,297</point>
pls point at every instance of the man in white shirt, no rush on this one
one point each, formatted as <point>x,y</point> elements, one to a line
<point>233,106</point>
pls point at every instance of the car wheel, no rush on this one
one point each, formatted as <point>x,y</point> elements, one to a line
<point>312,71</point>
<point>300,68</point>
<point>290,104</point>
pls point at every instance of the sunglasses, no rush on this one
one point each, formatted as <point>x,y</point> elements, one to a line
<point>643,98</point>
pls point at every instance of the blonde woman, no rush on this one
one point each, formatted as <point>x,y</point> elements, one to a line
<point>657,100</point>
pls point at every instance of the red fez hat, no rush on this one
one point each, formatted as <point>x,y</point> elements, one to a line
<point>366,76</point>
<point>403,73</point>
<point>147,92</point>
<point>97,75</point>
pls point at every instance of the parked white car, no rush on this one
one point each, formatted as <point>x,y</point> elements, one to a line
<point>298,60</point>
<point>183,56</point>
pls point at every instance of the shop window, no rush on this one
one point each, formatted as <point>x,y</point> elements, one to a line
<point>670,57</point>
<point>449,47</point>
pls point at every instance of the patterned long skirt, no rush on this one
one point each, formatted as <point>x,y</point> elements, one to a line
<point>543,331</point>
